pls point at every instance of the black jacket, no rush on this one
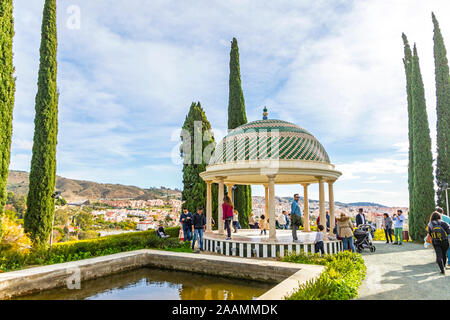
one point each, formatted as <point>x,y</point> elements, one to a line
<point>198,221</point>
<point>187,222</point>
<point>359,219</point>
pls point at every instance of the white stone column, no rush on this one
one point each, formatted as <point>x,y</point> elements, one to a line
<point>208,206</point>
<point>266,199</point>
<point>322,215</point>
<point>331,205</point>
<point>306,208</point>
<point>272,228</point>
<point>220,222</point>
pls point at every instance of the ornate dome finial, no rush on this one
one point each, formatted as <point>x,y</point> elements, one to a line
<point>265,113</point>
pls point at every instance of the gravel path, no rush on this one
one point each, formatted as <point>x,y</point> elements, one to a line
<point>408,271</point>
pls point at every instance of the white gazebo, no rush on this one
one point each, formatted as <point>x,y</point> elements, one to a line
<point>269,152</point>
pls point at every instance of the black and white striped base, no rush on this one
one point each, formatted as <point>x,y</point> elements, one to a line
<point>265,250</point>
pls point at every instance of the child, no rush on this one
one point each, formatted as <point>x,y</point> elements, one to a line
<point>236,224</point>
<point>318,243</point>
<point>263,225</point>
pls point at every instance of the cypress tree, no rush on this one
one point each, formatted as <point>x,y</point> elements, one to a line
<point>194,188</point>
<point>40,204</point>
<point>407,61</point>
<point>242,196</point>
<point>7,89</point>
<point>423,187</point>
<point>443,113</point>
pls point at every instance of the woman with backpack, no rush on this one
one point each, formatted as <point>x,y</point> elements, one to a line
<point>439,230</point>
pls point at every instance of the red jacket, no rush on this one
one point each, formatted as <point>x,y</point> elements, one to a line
<point>227,211</point>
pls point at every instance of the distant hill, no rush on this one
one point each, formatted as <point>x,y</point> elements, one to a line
<point>366,204</point>
<point>342,204</point>
<point>78,190</point>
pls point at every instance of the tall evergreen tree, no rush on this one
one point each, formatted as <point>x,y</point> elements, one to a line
<point>407,61</point>
<point>40,203</point>
<point>423,187</point>
<point>242,196</point>
<point>443,112</point>
<point>7,89</point>
<point>194,188</point>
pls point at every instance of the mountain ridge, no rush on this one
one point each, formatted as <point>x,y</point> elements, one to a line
<point>81,190</point>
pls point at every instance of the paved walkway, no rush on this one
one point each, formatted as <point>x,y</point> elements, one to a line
<point>403,272</point>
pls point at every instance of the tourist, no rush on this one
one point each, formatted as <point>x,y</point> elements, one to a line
<point>257,218</point>
<point>198,227</point>
<point>345,231</point>
<point>227,216</point>
<point>360,217</point>
<point>387,221</point>
<point>281,220</point>
<point>251,221</point>
<point>236,224</point>
<point>441,212</point>
<point>328,221</point>
<point>160,232</point>
<point>186,222</point>
<point>398,227</point>
<point>318,242</point>
<point>439,231</point>
<point>263,224</point>
<point>287,215</point>
<point>296,216</point>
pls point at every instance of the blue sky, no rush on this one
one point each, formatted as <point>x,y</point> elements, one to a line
<point>129,73</point>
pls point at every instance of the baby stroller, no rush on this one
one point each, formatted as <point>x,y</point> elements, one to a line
<point>363,235</point>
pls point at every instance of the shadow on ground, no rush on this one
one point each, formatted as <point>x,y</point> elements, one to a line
<point>403,272</point>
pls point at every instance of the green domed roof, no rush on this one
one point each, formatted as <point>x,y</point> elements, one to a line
<point>269,140</point>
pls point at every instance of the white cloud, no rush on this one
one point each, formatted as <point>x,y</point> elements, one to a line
<point>376,166</point>
<point>128,76</point>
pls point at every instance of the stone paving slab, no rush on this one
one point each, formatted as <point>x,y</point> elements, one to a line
<point>403,272</point>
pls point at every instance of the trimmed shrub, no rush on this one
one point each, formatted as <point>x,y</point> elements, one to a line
<point>83,249</point>
<point>341,279</point>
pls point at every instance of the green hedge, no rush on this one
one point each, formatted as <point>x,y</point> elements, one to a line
<point>83,249</point>
<point>343,275</point>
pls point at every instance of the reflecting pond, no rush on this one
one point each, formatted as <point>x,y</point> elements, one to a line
<point>157,284</point>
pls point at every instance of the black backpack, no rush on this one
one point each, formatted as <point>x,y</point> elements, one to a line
<point>437,232</point>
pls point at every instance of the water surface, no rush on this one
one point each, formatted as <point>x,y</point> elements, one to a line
<point>157,284</point>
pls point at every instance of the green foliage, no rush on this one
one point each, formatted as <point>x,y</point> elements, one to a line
<point>236,103</point>
<point>83,249</point>
<point>194,188</point>
<point>343,275</point>
<point>423,186</point>
<point>443,112</point>
<point>18,203</point>
<point>408,63</point>
<point>40,204</point>
<point>7,90</point>
<point>91,234</point>
<point>242,196</point>
<point>61,202</point>
<point>84,220</point>
<point>62,217</point>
